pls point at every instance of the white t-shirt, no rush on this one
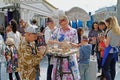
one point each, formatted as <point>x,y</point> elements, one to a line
<point>48,33</point>
<point>34,26</point>
<point>1,44</point>
<point>2,49</point>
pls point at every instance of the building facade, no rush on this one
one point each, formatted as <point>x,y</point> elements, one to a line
<point>104,13</point>
<point>27,10</point>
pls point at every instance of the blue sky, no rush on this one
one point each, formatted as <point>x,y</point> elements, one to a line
<point>87,5</point>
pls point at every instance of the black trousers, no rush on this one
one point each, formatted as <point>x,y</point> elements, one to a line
<point>93,47</point>
<point>16,74</point>
<point>109,67</point>
<point>99,64</point>
<point>50,67</point>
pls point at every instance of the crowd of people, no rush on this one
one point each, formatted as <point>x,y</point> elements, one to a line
<point>25,47</point>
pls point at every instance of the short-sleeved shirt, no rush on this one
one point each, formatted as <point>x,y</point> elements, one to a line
<point>114,39</point>
<point>85,52</point>
<point>16,36</point>
<point>69,35</point>
<point>48,33</point>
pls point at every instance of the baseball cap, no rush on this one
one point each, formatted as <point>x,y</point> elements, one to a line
<point>31,29</point>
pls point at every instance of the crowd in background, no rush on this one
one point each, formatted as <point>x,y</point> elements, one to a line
<point>24,48</point>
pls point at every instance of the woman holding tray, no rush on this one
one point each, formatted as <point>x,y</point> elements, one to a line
<point>65,33</point>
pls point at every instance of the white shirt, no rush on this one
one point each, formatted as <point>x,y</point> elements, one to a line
<point>48,33</point>
<point>16,36</point>
<point>2,49</point>
<point>34,26</point>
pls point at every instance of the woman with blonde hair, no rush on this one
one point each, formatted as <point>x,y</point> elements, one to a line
<point>110,53</point>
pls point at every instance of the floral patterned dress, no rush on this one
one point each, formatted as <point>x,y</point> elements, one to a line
<point>70,35</point>
<point>11,55</point>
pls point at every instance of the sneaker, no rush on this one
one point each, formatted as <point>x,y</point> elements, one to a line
<point>98,74</point>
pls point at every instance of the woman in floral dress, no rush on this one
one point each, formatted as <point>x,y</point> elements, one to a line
<point>70,35</point>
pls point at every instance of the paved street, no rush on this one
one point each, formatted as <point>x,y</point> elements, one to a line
<point>43,67</point>
<point>4,75</point>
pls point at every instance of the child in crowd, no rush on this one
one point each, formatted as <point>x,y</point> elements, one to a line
<point>101,47</point>
<point>11,55</point>
<point>84,58</point>
<point>80,32</point>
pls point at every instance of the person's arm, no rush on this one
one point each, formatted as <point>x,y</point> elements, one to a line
<point>3,45</point>
<point>89,34</point>
<point>75,44</point>
<point>119,43</point>
<point>53,42</point>
<point>41,52</point>
<point>107,40</point>
<point>99,47</point>
<point>47,36</point>
<point>75,41</point>
<point>75,37</point>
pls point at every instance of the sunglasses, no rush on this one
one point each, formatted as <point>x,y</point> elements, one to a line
<point>62,20</point>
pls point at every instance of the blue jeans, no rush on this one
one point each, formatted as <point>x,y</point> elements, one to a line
<point>84,71</point>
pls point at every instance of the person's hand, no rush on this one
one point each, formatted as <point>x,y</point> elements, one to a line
<point>60,44</point>
<point>93,38</point>
<point>41,50</point>
<point>119,43</point>
<point>40,34</point>
<point>104,41</point>
<point>80,44</point>
<point>75,44</point>
<point>93,41</point>
<point>53,42</point>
